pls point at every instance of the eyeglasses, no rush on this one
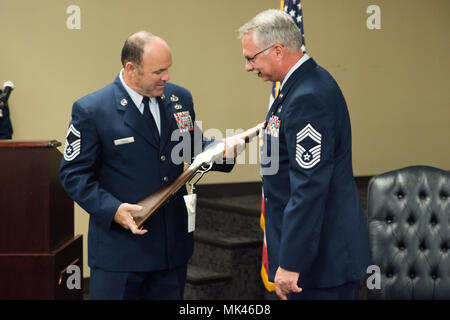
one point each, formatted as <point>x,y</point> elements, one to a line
<point>251,59</point>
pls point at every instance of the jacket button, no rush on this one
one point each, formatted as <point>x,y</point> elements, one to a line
<point>166,179</point>
<point>163,158</point>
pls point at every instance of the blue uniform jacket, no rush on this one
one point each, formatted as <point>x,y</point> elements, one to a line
<point>315,224</point>
<point>112,156</point>
<point>6,130</point>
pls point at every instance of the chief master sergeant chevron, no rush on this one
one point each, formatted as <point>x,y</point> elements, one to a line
<point>316,231</point>
<point>118,151</point>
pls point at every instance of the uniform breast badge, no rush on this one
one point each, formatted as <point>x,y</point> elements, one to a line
<point>174,98</point>
<point>184,121</point>
<point>280,109</point>
<point>273,126</point>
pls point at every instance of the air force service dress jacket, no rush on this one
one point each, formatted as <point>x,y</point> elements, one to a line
<point>113,156</point>
<point>315,224</point>
<point>6,130</point>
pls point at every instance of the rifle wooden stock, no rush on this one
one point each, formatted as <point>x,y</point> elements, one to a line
<point>155,201</point>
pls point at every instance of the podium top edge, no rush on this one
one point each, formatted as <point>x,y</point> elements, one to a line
<point>29,144</point>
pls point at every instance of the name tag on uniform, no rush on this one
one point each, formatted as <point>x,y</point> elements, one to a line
<point>118,142</point>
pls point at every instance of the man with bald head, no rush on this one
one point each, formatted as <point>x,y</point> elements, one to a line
<point>119,150</point>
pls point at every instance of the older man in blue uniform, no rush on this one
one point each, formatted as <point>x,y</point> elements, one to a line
<point>316,231</point>
<point>119,149</point>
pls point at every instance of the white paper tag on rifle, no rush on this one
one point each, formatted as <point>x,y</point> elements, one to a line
<point>191,205</point>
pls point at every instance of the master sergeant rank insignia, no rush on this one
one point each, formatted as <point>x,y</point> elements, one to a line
<point>73,144</point>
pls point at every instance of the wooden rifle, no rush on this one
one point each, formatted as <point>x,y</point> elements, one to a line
<point>201,164</point>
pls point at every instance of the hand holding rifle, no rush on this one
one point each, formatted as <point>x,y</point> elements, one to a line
<point>228,148</point>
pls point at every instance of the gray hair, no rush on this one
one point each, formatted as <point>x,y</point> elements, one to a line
<point>273,26</point>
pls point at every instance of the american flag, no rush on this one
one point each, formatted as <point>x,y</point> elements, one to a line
<point>294,9</point>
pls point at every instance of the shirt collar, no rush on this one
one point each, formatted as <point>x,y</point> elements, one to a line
<point>295,67</point>
<point>136,97</point>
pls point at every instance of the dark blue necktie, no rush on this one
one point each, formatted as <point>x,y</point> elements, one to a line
<point>149,117</point>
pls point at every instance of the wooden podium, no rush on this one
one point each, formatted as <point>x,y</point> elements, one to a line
<point>37,243</point>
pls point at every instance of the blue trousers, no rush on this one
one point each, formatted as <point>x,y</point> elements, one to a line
<point>154,285</point>
<point>347,291</point>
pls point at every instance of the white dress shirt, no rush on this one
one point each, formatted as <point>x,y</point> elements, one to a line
<point>137,99</point>
<point>295,67</point>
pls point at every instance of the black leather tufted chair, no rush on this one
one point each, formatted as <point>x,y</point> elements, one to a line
<point>409,225</point>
